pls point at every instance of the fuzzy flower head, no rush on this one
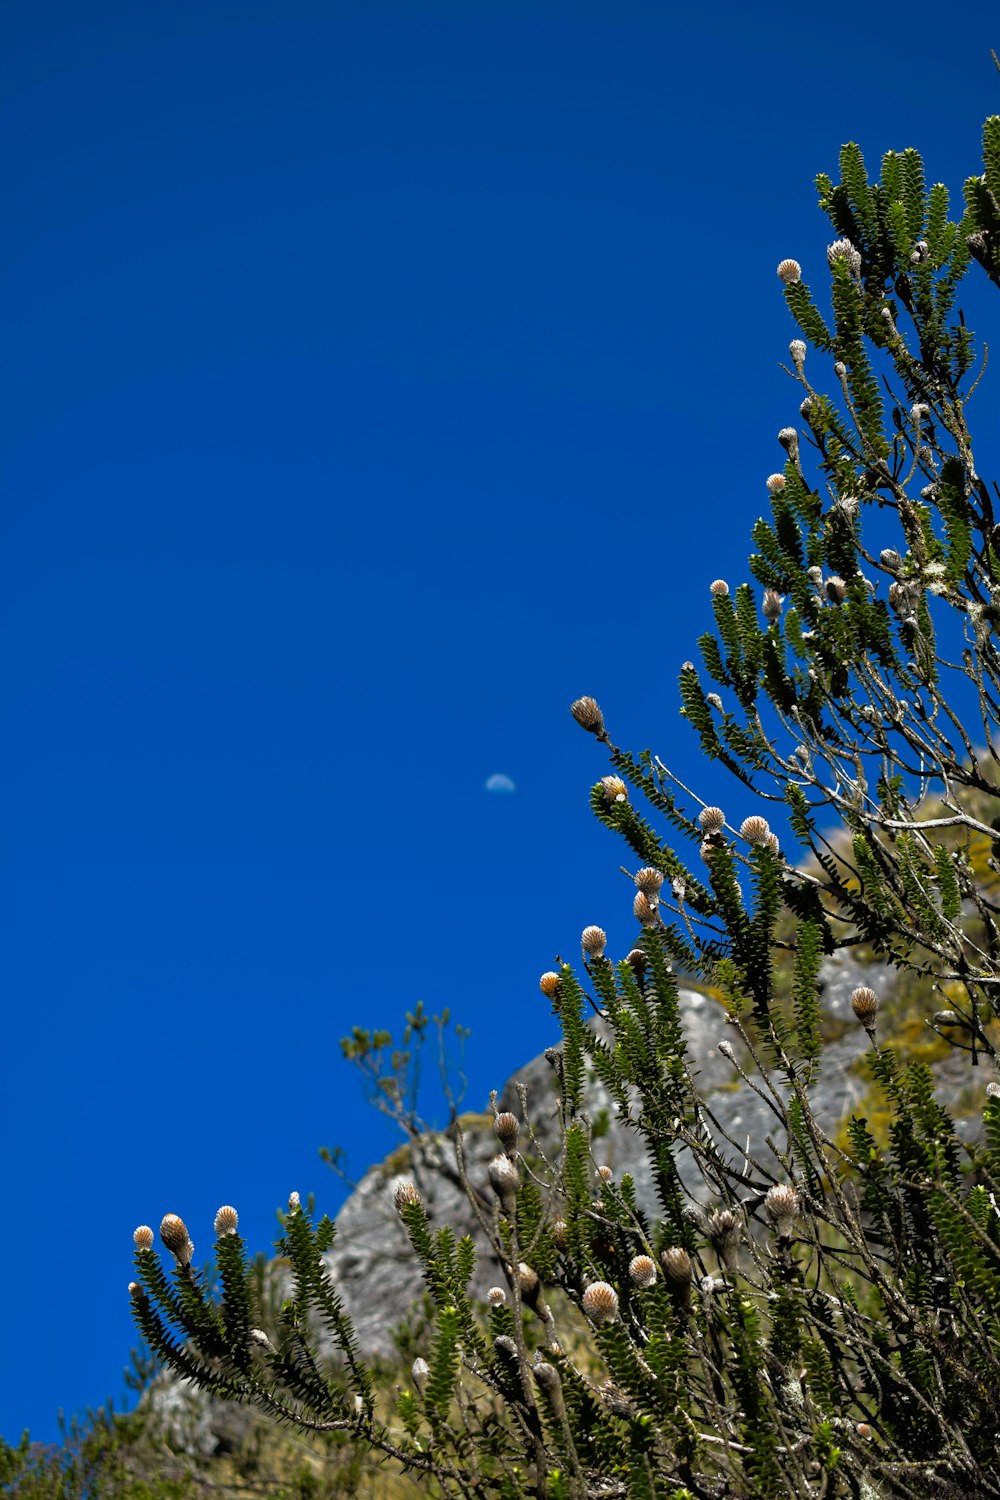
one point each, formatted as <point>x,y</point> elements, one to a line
<point>644,909</point>
<point>593,941</point>
<point>797,349</point>
<point>649,880</point>
<point>790,272</point>
<point>775,483</point>
<point>587,713</point>
<point>755,830</point>
<point>642,1269</point>
<point>226,1220</point>
<point>600,1302</point>
<point>614,789</point>
<point>405,1193</point>
<point>843,250</point>
<point>771,605</point>
<point>506,1127</point>
<point>173,1233</point>
<point>549,985</point>
<point>719,588</point>
<point>143,1237</point>
<point>711,820</point>
<point>864,1003</point>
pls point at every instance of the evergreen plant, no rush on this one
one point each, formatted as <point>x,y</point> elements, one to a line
<point>822,1318</point>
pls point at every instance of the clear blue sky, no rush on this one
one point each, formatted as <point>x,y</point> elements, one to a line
<point>378,377</point>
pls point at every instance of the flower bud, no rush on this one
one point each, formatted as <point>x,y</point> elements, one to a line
<point>294,1202</point>
<point>143,1237</point>
<point>719,588</point>
<point>676,1265</point>
<point>843,250</point>
<point>650,881</point>
<point>771,605</point>
<point>790,272</point>
<point>496,1296</point>
<point>615,789</point>
<point>226,1220</point>
<point>505,1180</point>
<point>600,1302</point>
<point>642,1269</point>
<point>711,820</point>
<point>593,941</point>
<point>864,1003</point>
<point>405,1194</point>
<point>797,349</point>
<point>136,1292</point>
<point>644,909</point>
<point>605,1173</point>
<point>506,1127</point>
<point>549,985</point>
<point>755,830</point>
<point>173,1233</point>
<point>836,589</point>
<point>782,1206</point>
<point>775,483</point>
<point>993,1091</point>
<point>419,1371</point>
<point>637,962</point>
<point>724,1233</point>
<point>548,1378</point>
<point>588,715</point>
<point>559,1233</point>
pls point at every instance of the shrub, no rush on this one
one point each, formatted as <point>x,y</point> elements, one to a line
<point>823,1317</point>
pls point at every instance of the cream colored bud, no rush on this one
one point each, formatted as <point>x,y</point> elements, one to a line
<point>771,605</point>
<point>294,1203</point>
<point>588,715</point>
<point>593,941</point>
<point>143,1237</point>
<point>790,271</point>
<point>560,1232</point>
<point>864,1003</point>
<point>836,589</point>
<point>226,1220</point>
<point>605,1173</point>
<point>711,820</point>
<point>419,1372</point>
<point>548,1378</point>
<point>614,789</point>
<point>136,1292</point>
<point>173,1233</point>
<point>644,909</point>
<point>755,830</point>
<point>549,985</point>
<point>708,851</point>
<point>496,1296</point>
<point>772,842</point>
<point>260,1337</point>
<point>642,1269</point>
<point>789,439</point>
<point>404,1194</point>
<point>676,1265</point>
<point>782,1206</point>
<point>650,881</point>
<point>600,1302</point>
<point>775,483</point>
<point>506,1127</point>
<point>797,349</point>
<point>719,589</point>
<point>724,1233</point>
<point>505,1180</point>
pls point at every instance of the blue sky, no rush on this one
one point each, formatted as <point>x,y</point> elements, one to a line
<point>379,377</point>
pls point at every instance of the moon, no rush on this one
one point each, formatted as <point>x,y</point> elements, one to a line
<point>500,784</point>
